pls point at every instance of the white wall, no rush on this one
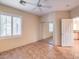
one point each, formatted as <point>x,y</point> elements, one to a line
<point>75,12</point>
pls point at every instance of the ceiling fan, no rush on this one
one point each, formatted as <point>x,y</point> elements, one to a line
<point>38,4</point>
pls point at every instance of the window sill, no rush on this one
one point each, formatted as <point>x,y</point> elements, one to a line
<point>13,37</point>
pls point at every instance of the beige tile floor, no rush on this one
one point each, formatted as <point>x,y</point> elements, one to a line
<point>76,49</point>
<point>42,50</point>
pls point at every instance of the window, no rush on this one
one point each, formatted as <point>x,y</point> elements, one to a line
<point>76,23</point>
<point>10,26</point>
<point>50,27</point>
<point>16,26</point>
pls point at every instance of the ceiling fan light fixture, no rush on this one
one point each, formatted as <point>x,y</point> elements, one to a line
<point>39,5</point>
<point>22,2</point>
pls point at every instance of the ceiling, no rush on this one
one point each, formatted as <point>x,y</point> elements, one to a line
<point>56,5</point>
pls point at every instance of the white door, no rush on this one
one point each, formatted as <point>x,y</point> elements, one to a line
<point>67,32</point>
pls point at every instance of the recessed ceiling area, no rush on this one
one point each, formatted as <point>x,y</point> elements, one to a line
<point>55,5</point>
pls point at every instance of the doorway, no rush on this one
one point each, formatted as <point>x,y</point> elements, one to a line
<point>47,32</point>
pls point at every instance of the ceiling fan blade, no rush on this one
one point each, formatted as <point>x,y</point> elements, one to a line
<point>38,2</point>
<point>24,2</point>
<point>46,6</point>
<point>30,3</point>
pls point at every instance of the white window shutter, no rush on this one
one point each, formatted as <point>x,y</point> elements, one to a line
<point>16,26</point>
<point>8,25</point>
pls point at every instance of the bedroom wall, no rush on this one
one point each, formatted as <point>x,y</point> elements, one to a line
<point>75,12</point>
<point>30,29</point>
